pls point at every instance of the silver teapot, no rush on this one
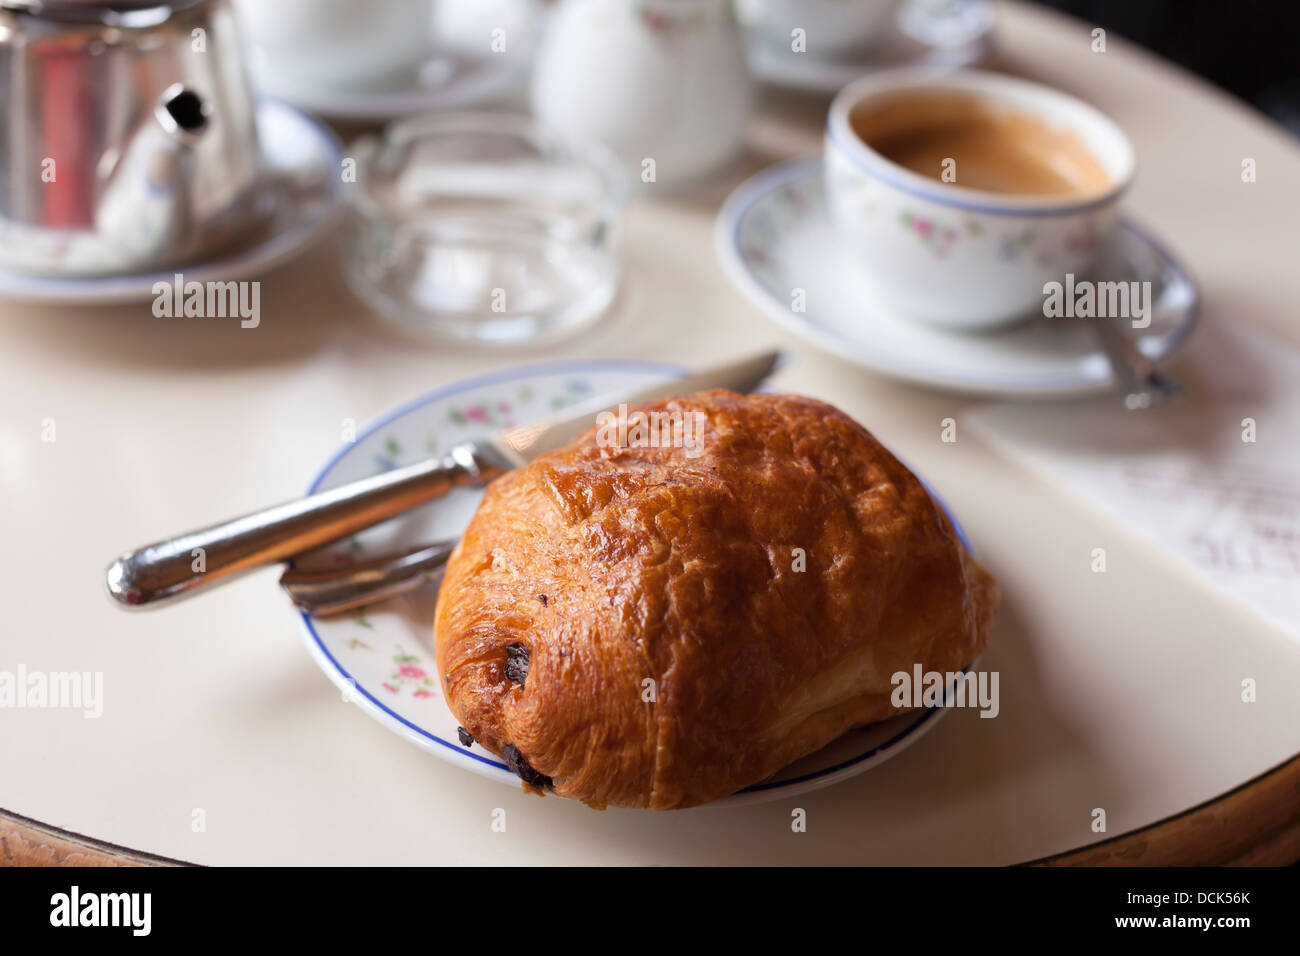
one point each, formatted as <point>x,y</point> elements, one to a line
<point>128,135</point>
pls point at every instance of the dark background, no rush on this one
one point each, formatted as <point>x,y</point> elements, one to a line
<point>1251,48</point>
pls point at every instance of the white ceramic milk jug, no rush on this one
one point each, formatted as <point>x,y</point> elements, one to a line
<point>662,83</point>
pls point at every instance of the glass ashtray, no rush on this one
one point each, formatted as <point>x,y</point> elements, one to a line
<point>479,227</point>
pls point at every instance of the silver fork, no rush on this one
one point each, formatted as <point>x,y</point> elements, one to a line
<point>337,590</point>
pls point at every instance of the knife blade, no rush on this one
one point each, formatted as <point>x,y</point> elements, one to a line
<point>522,443</point>
<point>180,566</point>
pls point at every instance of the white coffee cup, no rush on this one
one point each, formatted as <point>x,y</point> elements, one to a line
<point>340,44</point>
<point>829,27</point>
<point>960,257</point>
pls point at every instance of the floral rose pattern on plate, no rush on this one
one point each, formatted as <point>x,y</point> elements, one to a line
<point>493,414</point>
<point>409,673</point>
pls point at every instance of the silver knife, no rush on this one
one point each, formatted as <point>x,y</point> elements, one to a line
<point>180,566</point>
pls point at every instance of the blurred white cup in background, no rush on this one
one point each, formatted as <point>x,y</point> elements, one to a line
<point>830,27</point>
<point>345,44</point>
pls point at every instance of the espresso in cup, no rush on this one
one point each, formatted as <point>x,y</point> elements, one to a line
<point>957,138</point>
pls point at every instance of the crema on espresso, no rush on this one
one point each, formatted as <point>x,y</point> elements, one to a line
<point>964,140</point>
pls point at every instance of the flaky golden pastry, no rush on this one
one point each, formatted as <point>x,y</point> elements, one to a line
<point>663,626</point>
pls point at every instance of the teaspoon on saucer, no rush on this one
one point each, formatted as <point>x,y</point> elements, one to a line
<point>1140,379</point>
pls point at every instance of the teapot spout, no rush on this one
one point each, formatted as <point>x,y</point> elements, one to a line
<point>182,114</point>
<point>145,205</point>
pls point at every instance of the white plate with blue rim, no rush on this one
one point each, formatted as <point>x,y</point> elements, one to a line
<point>301,159</point>
<point>773,235</point>
<point>382,659</point>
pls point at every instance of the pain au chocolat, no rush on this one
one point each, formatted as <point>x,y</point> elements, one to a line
<point>661,623</point>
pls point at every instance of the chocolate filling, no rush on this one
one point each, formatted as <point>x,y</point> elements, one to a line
<point>517,663</point>
<point>465,739</point>
<point>516,762</point>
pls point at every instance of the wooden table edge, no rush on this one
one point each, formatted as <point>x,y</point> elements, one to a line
<point>28,842</point>
<point>1255,824</point>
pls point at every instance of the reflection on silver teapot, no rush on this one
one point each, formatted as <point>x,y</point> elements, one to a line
<point>128,139</point>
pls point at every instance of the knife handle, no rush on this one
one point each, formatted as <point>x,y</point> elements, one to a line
<point>180,566</point>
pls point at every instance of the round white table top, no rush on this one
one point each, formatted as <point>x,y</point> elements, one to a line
<point>1119,690</point>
